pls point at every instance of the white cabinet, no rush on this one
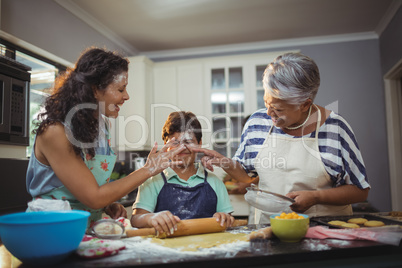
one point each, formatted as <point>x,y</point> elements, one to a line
<point>221,91</point>
<point>178,86</point>
<point>132,125</point>
<point>233,88</point>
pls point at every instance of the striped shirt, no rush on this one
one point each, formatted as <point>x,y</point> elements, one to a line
<point>337,144</point>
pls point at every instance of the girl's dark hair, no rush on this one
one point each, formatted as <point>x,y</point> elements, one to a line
<point>181,121</point>
<point>95,69</point>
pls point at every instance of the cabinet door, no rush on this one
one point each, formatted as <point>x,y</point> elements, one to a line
<point>227,96</point>
<point>234,91</point>
<point>178,86</point>
<point>131,128</point>
<point>165,99</point>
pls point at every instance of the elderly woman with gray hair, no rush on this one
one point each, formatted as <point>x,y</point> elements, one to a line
<point>297,148</point>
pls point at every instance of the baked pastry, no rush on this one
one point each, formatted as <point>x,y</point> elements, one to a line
<point>395,214</point>
<point>357,220</point>
<point>338,223</point>
<point>350,225</point>
<point>374,223</point>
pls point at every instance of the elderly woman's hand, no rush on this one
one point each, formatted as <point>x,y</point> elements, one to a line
<point>212,158</point>
<point>304,200</point>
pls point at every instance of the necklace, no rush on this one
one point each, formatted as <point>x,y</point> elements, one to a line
<point>302,124</point>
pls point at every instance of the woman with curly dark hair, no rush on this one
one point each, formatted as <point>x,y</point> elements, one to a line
<point>72,158</point>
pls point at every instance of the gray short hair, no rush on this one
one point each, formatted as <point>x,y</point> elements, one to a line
<point>292,77</point>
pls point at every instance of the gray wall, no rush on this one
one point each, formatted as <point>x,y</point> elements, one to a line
<point>47,25</point>
<point>391,43</point>
<point>351,73</point>
<point>351,76</point>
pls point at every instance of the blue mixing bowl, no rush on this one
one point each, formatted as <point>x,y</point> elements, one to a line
<point>43,237</point>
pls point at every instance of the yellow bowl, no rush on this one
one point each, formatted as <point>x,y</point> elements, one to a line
<point>290,230</point>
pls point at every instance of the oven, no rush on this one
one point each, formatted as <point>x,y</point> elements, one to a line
<point>14,102</point>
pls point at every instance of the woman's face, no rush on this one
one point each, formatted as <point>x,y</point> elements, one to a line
<point>113,96</point>
<point>282,113</point>
<point>188,139</point>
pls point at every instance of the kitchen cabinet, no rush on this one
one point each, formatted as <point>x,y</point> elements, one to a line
<point>132,127</point>
<point>178,86</point>
<point>234,90</point>
<point>197,85</point>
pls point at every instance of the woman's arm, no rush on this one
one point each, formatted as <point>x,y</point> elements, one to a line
<point>339,196</point>
<point>54,149</point>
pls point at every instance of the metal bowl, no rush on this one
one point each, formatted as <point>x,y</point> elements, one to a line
<point>108,229</point>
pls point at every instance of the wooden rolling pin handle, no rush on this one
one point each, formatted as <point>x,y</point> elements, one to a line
<point>140,232</point>
<point>264,233</point>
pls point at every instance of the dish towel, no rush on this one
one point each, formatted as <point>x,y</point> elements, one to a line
<point>92,247</point>
<point>388,235</point>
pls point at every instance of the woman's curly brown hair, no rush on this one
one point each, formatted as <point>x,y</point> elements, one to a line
<point>95,69</point>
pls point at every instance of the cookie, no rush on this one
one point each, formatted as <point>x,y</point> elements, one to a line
<point>338,223</point>
<point>374,223</point>
<point>357,220</point>
<point>350,225</point>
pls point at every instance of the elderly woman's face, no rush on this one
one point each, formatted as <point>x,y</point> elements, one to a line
<point>282,113</point>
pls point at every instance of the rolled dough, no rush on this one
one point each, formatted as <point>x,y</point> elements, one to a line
<point>195,242</point>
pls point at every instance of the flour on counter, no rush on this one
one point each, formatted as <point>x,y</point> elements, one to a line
<point>140,250</point>
<point>314,245</point>
<point>338,242</point>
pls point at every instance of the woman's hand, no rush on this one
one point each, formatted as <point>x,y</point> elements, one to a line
<point>158,161</point>
<point>224,219</point>
<point>304,200</point>
<point>163,222</point>
<point>116,210</point>
<point>338,196</point>
<point>211,158</point>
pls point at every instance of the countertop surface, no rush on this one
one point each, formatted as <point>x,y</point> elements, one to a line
<point>256,253</point>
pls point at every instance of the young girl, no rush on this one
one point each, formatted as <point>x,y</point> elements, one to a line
<point>185,191</point>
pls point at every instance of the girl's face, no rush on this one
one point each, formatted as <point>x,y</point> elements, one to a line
<point>113,96</point>
<point>282,113</point>
<point>188,139</point>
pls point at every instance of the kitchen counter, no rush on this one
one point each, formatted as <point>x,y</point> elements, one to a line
<point>258,253</point>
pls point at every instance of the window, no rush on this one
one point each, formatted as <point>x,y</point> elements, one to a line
<point>227,100</point>
<point>43,75</point>
<point>259,70</point>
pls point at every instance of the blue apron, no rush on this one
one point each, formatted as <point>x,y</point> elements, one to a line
<point>187,202</point>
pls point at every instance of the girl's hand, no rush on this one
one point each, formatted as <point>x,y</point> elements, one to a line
<point>158,161</point>
<point>164,222</point>
<point>224,219</point>
<point>116,210</point>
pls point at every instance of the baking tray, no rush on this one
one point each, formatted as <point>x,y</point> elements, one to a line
<point>325,219</point>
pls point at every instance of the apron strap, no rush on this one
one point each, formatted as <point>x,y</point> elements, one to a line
<point>318,121</point>
<point>206,175</point>
<point>164,177</point>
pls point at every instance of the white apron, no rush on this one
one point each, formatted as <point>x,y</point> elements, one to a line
<point>286,164</point>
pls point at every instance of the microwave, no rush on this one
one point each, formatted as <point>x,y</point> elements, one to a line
<point>14,102</point>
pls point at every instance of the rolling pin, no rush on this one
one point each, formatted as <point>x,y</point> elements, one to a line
<point>187,227</point>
